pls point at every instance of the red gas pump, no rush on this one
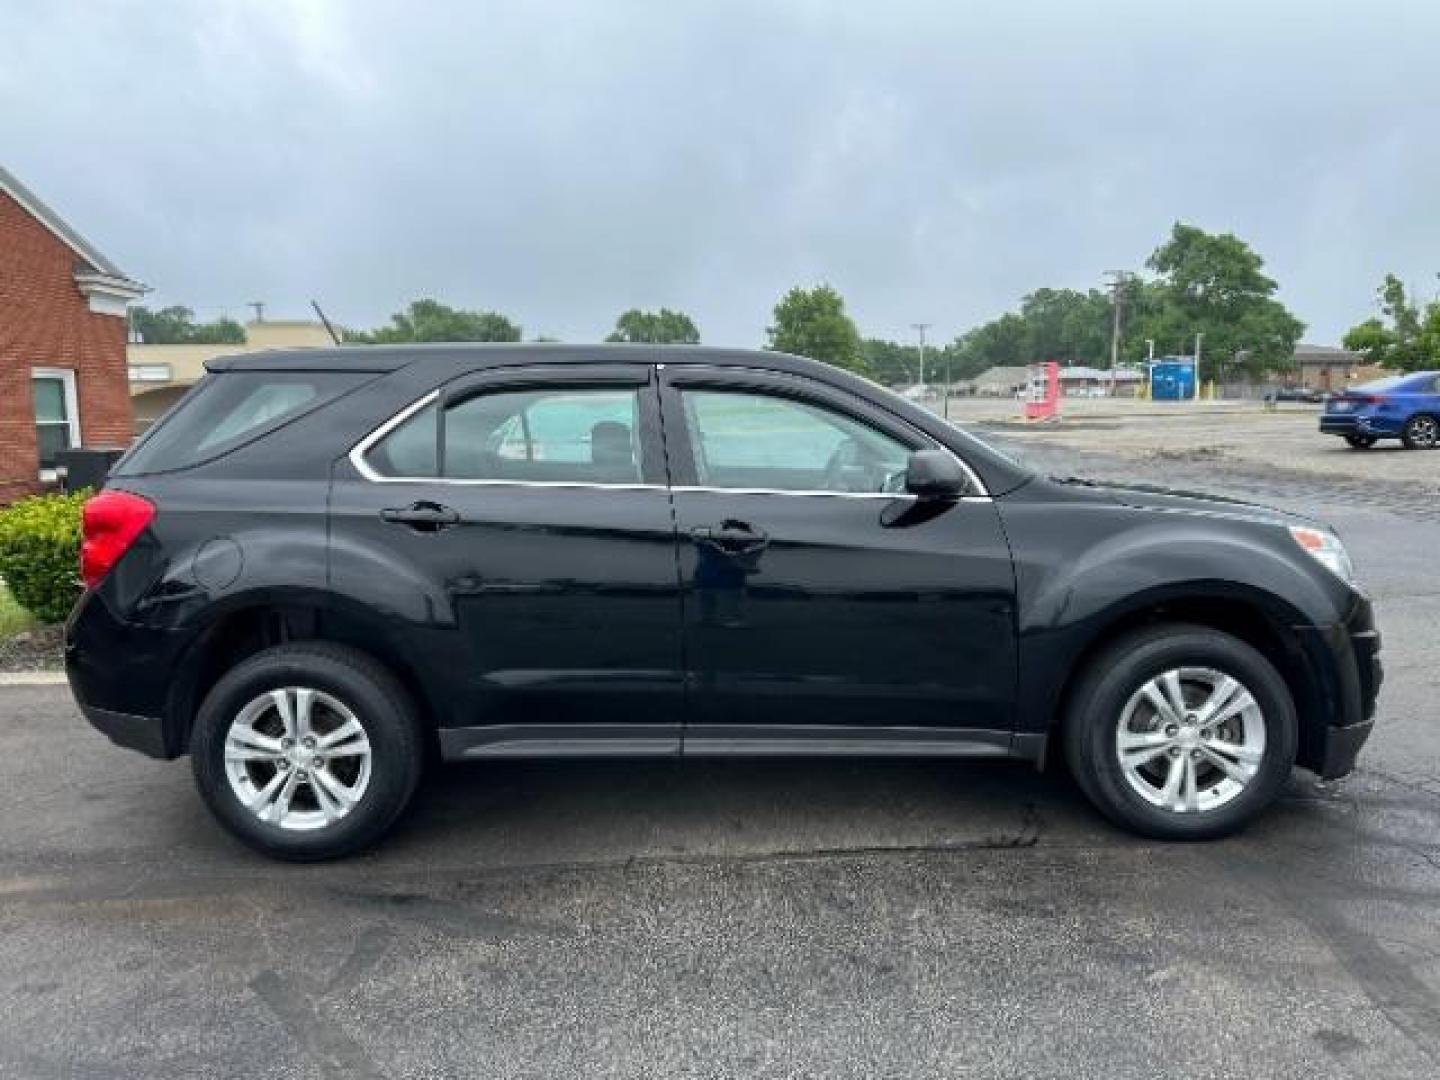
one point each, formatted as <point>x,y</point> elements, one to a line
<point>1042,391</point>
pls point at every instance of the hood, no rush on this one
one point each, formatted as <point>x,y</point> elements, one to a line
<point>1172,500</point>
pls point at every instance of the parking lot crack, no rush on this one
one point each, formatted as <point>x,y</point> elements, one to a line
<point>321,1038</point>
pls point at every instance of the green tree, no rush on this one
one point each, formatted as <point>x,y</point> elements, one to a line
<point>430,320</point>
<point>176,325</point>
<point>813,323</point>
<point>1214,284</point>
<point>998,343</point>
<point>663,327</point>
<point>894,364</point>
<point>1066,325</point>
<point>1410,341</point>
<point>890,362</point>
<point>1204,283</point>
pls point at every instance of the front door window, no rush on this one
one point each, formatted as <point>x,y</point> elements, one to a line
<point>761,442</point>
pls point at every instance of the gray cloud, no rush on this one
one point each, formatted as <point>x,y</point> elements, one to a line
<point>560,161</point>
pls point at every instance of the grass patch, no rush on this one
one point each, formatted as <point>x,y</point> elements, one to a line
<point>13,618</point>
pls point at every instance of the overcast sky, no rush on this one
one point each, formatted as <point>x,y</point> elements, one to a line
<point>560,161</point>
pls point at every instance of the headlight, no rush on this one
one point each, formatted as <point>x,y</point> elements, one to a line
<point>1325,548</point>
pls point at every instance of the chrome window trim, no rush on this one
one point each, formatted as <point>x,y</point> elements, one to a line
<point>360,449</point>
<point>888,496</point>
<point>366,471</point>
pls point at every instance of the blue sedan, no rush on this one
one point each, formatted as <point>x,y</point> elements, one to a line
<point>1404,407</point>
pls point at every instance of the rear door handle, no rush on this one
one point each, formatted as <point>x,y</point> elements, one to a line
<point>732,538</point>
<point>422,516</point>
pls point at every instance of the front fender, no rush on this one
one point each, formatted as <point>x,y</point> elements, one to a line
<point>1163,559</point>
<point>1084,569</point>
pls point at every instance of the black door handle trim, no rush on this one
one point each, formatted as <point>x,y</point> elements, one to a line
<point>422,515</point>
<point>731,538</point>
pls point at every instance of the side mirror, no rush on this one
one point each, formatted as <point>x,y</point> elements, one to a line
<point>934,474</point>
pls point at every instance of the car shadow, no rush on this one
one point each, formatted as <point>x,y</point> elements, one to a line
<point>564,812</point>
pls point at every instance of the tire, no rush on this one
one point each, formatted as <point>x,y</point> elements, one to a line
<point>1111,690</point>
<point>368,777</point>
<point>1421,432</point>
<point>1361,442</point>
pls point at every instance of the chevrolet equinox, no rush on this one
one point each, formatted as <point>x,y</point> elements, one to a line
<point>323,566</point>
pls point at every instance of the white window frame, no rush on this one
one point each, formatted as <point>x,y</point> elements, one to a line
<point>72,407</point>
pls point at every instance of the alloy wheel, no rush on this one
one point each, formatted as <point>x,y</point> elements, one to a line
<point>1190,740</point>
<point>1424,431</point>
<point>297,758</point>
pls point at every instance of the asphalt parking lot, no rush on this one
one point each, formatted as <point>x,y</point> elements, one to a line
<point>781,918</point>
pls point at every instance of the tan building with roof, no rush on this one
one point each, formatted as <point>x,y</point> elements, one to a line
<point>161,374</point>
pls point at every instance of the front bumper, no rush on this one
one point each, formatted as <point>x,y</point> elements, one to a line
<point>1340,747</point>
<point>1350,687</point>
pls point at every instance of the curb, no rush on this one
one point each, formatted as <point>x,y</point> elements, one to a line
<point>32,678</point>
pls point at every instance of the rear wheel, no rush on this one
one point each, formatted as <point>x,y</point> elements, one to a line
<point>1421,433</point>
<point>1361,442</point>
<point>1181,732</point>
<point>307,751</point>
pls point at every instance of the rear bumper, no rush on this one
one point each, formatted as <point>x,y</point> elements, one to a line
<point>121,676</point>
<point>1359,424</point>
<point>143,733</point>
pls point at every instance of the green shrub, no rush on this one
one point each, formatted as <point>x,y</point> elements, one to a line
<point>40,553</point>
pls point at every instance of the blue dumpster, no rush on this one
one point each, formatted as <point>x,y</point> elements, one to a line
<point>1172,379</point>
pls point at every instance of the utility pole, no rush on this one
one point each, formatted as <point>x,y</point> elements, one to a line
<point>259,307</point>
<point>945,394</point>
<point>1117,289</point>
<point>1199,337</point>
<point>922,327</point>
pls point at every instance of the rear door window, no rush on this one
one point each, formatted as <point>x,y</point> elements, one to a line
<point>555,435</point>
<point>227,410</point>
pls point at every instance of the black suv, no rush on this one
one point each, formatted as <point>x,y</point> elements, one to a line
<point>322,565</point>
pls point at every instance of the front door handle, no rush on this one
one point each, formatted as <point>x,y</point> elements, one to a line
<point>732,537</point>
<point>422,516</point>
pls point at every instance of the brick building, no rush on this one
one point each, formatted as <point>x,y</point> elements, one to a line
<point>62,342</point>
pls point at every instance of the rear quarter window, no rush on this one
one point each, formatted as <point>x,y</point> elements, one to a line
<point>227,410</point>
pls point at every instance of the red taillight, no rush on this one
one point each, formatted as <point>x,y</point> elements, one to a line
<point>1365,399</point>
<point>112,520</point>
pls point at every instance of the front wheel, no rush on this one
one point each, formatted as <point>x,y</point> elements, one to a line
<point>307,751</point>
<point>1181,732</point>
<point>1360,442</point>
<point>1421,433</point>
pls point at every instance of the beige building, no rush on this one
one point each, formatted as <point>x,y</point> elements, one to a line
<point>1327,368</point>
<point>160,374</point>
